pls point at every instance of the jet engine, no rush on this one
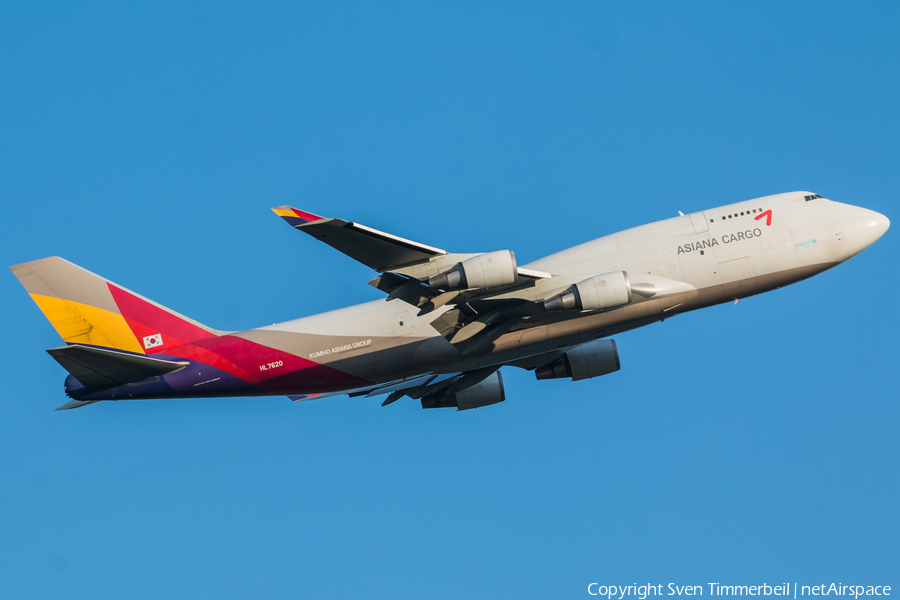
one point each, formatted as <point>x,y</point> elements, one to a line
<point>490,391</point>
<point>494,269</point>
<point>593,359</point>
<point>600,292</point>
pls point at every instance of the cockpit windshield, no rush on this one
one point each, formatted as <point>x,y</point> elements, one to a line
<point>812,197</point>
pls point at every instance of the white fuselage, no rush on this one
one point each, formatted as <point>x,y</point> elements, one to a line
<point>693,261</point>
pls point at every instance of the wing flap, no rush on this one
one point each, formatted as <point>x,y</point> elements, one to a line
<point>97,367</point>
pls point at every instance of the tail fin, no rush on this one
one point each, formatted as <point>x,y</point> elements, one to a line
<point>87,309</point>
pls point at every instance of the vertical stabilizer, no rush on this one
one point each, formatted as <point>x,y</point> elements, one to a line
<point>87,309</point>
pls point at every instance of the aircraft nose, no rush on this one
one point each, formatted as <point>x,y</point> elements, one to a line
<point>868,227</point>
<point>876,225</point>
<point>882,223</point>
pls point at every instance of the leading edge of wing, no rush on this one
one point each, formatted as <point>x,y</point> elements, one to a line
<point>375,249</point>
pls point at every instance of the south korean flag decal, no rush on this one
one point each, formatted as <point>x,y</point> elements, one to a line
<point>152,341</point>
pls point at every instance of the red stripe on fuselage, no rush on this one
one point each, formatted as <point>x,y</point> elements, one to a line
<point>271,370</point>
<point>208,357</point>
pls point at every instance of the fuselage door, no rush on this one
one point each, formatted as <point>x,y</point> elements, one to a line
<point>738,276</point>
<point>700,222</point>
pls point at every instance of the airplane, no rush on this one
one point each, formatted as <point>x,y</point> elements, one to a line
<point>449,321</point>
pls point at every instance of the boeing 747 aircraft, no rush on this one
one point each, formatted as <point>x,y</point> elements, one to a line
<point>449,321</point>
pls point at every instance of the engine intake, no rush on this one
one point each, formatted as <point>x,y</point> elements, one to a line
<point>490,391</point>
<point>600,292</point>
<point>494,269</point>
<point>593,359</point>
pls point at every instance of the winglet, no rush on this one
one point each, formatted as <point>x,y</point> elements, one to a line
<point>295,217</point>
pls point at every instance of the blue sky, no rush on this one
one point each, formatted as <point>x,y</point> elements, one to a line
<point>739,444</point>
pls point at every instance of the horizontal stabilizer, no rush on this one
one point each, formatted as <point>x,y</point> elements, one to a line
<point>96,367</point>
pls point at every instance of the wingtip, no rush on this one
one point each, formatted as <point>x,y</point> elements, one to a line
<point>294,216</point>
<point>75,404</point>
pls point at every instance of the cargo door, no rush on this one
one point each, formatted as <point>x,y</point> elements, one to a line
<point>738,276</point>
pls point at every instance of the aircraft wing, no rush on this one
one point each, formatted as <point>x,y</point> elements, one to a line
<point>375,249</point>
<point>476,313</point>
<point>415,387</point>
<point>483,296</point>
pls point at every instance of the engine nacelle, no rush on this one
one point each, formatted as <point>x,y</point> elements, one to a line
<point>494,269</point>
<point>600,292</point>
<point>600,357</point>
<point>490,391</point>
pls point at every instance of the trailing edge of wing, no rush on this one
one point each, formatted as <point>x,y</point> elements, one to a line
<point>375,249</point>
<point>96,367</point>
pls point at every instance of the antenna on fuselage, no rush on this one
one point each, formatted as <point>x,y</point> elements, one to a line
<point>680,214</point>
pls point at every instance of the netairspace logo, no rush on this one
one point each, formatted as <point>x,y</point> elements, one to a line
<point>641,592</point>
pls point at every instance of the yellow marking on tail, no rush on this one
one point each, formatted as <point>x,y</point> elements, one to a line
<point>80,323</point>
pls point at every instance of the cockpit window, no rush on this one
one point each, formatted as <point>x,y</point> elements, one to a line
<point>813,197</point>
